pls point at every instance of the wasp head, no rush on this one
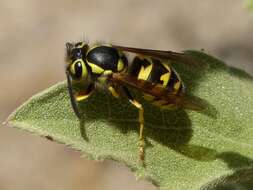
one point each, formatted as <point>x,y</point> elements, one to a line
<point>77,67</point>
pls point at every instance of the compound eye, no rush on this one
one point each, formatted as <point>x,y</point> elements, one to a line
<point>78,69</point>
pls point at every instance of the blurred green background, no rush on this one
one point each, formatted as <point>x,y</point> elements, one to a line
<point>32,37</point>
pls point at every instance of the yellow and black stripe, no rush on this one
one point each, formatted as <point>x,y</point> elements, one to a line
<point>157,73</point>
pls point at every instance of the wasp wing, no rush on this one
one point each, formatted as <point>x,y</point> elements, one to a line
<point>178,100</point>
<point>169,55</point>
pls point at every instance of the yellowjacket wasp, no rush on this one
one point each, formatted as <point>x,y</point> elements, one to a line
<point>108,65</point>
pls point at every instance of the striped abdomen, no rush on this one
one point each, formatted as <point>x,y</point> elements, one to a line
<point>156,72</point>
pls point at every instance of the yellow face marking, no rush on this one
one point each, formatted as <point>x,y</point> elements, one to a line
<point>84,68</point>
<point>72,68</point>
<point>144,72</point>
<point>120,65</point>
<point>95,69</point>
<point>165,78</point>
<point>113,92</point>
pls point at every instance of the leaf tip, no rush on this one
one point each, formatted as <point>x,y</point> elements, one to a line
<point>7,121</point>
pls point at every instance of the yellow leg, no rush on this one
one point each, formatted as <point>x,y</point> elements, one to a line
<point>141,121</point>
<point>113,92</point>
<point>82,95</point>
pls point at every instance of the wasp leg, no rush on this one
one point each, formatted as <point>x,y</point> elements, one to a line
<point>113,92</point>
<point>141,120</point>
<point>80,96</point>
<point>84,94</point>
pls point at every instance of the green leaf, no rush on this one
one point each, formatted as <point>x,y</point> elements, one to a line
<point>184,149</point>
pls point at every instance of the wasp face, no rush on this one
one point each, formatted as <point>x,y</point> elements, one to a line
<point>76,64</point>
